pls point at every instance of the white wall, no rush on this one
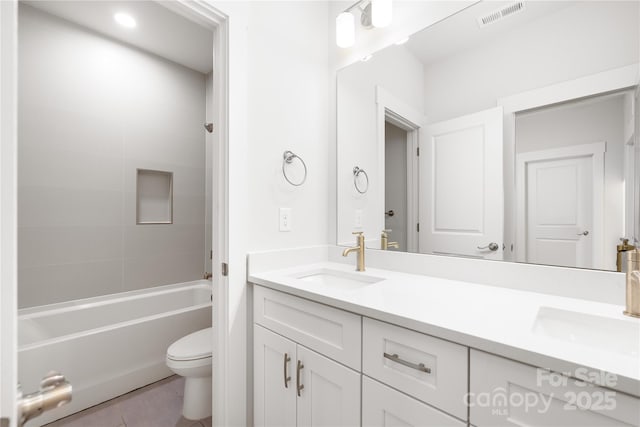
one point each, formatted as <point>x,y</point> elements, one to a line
<point>278,73</point>
<point>287,93</point>
<point>357,136</point>
<point>585,123</point>
<point>576,41</point>
<point>91,111</point>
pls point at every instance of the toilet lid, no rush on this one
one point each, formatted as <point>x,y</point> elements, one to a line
<point>197,345</point>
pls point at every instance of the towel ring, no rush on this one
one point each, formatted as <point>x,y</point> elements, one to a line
<point>356,173</point>
<point>287,159</point>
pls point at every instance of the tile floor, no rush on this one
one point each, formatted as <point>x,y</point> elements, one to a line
<point>156,405</point>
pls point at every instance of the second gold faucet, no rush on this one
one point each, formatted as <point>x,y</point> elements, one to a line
<point>359,249</point>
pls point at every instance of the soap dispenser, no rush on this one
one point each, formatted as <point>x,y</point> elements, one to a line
<point>633,284</point>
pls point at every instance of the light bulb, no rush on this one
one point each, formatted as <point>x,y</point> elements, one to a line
<point>125,20</point>
<point>381,12</point>
<point>345,30</point>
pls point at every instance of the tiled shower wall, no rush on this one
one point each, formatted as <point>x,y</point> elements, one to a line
<point>91,111</point>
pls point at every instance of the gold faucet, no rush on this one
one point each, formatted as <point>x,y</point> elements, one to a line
<point>385,243</point>
<point>633,284</point>
<point>624,247</point>
<point>359,249</point>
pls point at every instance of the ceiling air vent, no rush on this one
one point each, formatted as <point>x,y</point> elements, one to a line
<point>501,13</point>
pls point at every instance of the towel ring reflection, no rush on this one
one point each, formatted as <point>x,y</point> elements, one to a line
<point>356,173</point>
<point>287,159</point>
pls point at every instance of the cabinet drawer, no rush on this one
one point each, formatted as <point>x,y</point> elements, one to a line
<point>441,381</point>
<point>383,406</point>
<point>329,331</point>
<point>508,393</point>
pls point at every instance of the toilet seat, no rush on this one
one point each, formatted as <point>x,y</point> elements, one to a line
<point>195,346</point>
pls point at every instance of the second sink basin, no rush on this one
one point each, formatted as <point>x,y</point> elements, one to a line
<point>337,279</point>
<point>620,336</point>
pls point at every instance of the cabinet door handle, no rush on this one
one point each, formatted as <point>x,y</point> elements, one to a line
<point>417,366</point>
<point>287,378</point>
<point>299,384</point>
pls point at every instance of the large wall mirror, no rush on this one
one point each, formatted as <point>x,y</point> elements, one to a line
<point>508,131</point>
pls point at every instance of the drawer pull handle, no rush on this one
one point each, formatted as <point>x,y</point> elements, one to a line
<point>417,366</point>
<point>287,378</point>
<point>299,386</point>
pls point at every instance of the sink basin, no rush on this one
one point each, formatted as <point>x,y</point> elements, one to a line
<point>619,336</point>
<point>337,279</point>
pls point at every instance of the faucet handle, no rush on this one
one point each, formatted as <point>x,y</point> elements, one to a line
<point>358,233</point>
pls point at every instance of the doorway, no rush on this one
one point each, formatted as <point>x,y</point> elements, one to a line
<point>396,184</point>
<point>199,15</point>
<point>560,204</point>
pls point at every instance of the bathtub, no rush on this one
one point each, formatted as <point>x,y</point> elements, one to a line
<point>107,346</point>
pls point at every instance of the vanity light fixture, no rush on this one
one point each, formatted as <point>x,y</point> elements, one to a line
<point>381,13</point>
<point>373,13</point>
<point>345,29</point>
<point>125,20</point>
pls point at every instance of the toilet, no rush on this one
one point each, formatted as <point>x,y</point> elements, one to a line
<point>190,357</point>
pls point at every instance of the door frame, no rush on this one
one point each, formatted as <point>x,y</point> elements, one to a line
<point>202,13</point>
<point>595,84</point>
<point>595,151</point>
<point>8,210</point>
<point>391,109</point>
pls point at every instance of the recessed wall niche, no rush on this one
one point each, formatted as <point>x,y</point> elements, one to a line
<point>154,197</point>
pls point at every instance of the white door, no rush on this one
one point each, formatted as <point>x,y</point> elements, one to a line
<point>461,190</point>
<point>559,212</point>
<point>274,390</point>
<point>330,392</point>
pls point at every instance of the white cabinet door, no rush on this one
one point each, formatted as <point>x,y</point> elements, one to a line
<point>329,394</point>
<point>274,387</point>
<point>384,407</point>
<point>461,191</point>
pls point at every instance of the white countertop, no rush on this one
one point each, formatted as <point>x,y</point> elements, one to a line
<point>489,318</point>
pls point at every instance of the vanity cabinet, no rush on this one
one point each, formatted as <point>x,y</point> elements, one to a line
<point>306,363</point>
<point>508,393</point>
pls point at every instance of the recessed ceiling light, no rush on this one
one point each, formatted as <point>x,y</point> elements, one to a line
<point>125,20</point>
<point>402,41</point>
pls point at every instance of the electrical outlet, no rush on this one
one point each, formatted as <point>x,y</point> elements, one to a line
<point>358,219</point>
<point>285,219</point>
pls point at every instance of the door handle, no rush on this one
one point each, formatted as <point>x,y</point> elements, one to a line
<point>54,392</point>
<point>287,378</point>
<point>299,385</point>
<point>491,246</point>
<point>584,233</point>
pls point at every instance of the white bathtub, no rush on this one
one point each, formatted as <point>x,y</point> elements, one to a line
<point>109,345</point>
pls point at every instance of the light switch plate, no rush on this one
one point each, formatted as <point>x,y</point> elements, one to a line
<point>285,219</point>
